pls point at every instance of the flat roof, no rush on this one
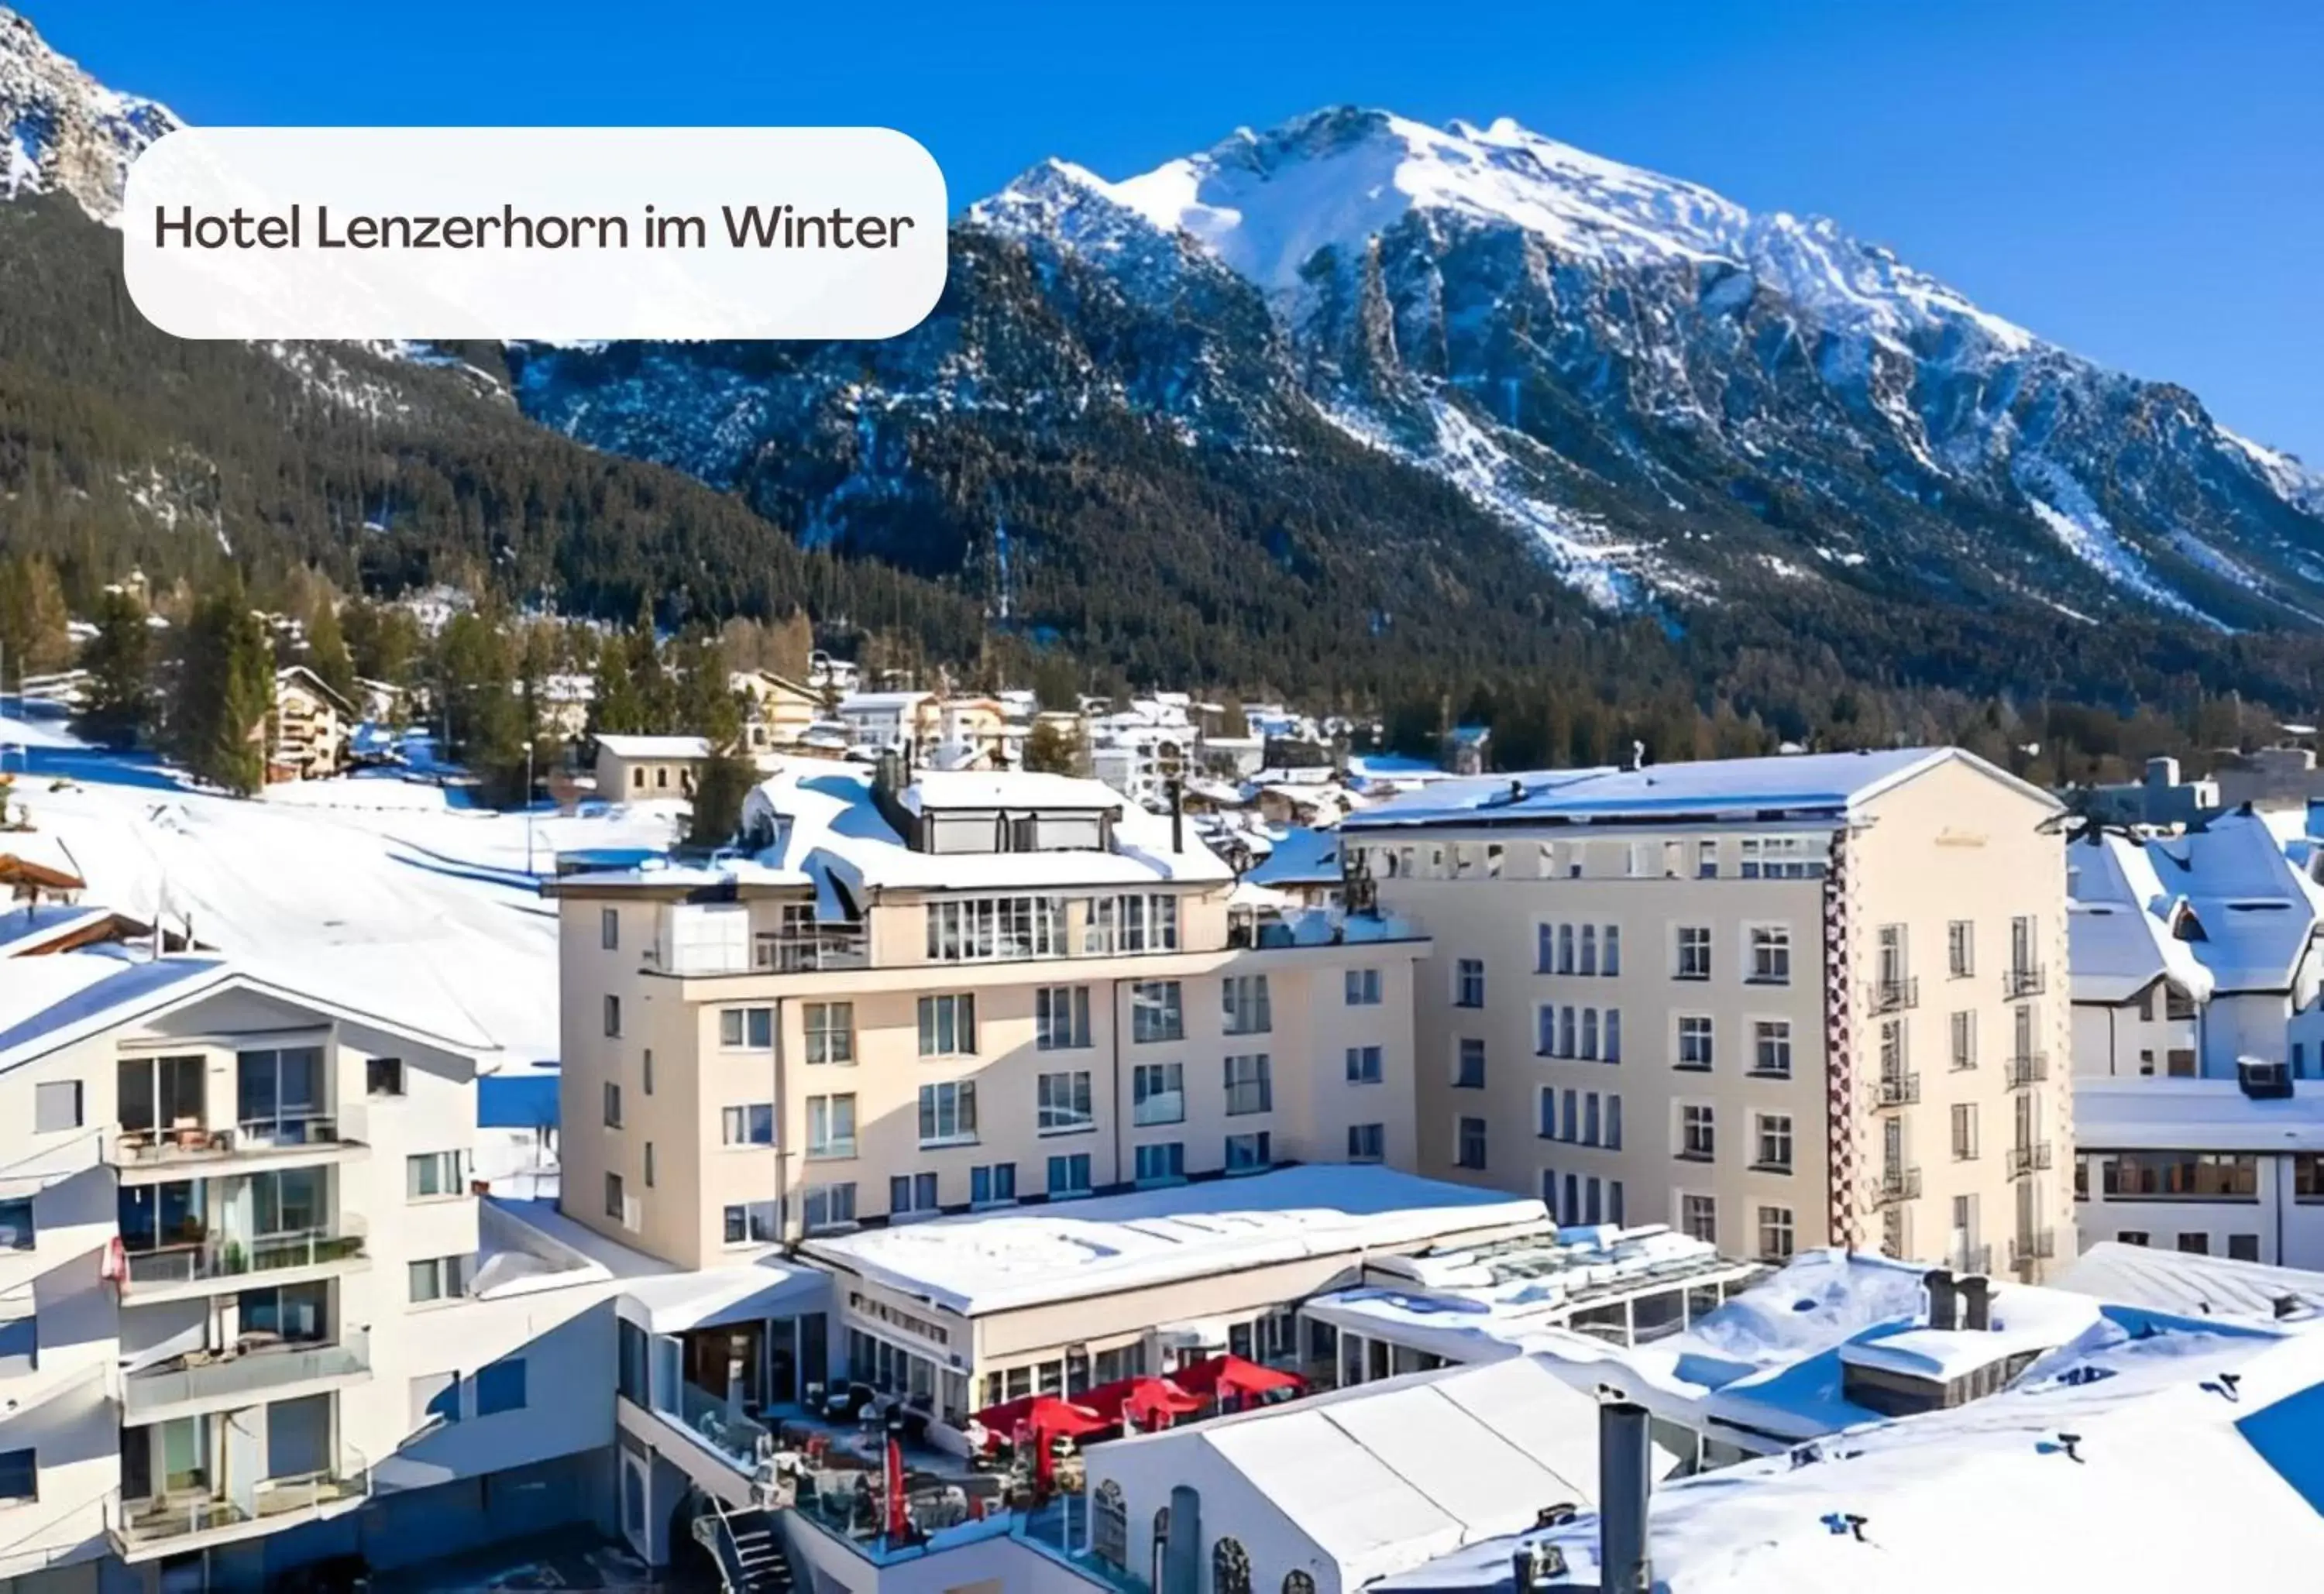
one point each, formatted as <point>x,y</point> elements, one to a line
<point>1039,1254</point>
<point>2160,1114</point>
<point>655,747</point>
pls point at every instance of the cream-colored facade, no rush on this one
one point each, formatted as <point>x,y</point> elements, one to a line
<point>306,727</point>
<point>646,769</point>
<point>1776,1003</point>
<point>777,710</point>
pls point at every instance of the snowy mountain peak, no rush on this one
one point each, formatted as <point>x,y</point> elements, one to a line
<point>60,130</point>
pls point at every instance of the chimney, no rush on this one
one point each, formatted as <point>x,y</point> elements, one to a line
<point>1624,1474</point>
<point>1177,814</point>
<point>1977,1302</point>
<point>1944,1298</point>
<point>888,773</point>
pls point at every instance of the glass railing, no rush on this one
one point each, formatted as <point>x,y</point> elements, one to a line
<point>741,1440</point>
<point>158,1147</point>
<point>233,1258</point>
<point>250,1371</point>
<point>145,1524</point>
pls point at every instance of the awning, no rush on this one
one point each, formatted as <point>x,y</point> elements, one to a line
<point>1225,1377</point>
<point>1039,1418</point>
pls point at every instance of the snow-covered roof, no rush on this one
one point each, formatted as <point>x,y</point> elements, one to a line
<point>880,704</point>
<point>2195,1459</point>
<point>655,747</point>
<point>1382,1477</point>
<point>1304,857</point>
<point>2216,909</point>
<point>2136,1113</point>
<point>1484,1303</point>
<point>1030,1256</point>
<point>31,924</point>
<point>828,825</point>
<point>1808,786</point>
<point>2192,1285</point>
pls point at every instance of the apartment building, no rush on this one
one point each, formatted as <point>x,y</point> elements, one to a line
<point>306,727</point>
<point>1776,1003</point>
<point>965,990</point>
<point>241,1281</point>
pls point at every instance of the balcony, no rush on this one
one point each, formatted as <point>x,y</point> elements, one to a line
<point>145,1530</point>
<point>805,952</point>
<point>2028,1160</point>
<point>2031,1069</point>
<point>199,1267</point>
<point>1896,1090</point>
<point>2024,979</point>
<point>1897,1184</point>
<point>1895,995</point>
<point>2039,1245</point>
<point>253,1372</point>
<point>142,1155</point>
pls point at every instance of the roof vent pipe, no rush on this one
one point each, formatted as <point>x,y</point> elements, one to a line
<point>1944,1298</point>
<point>1625,1475</point>
<point>1976,1301</point>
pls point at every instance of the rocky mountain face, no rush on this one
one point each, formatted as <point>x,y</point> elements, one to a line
<point>1355,382</point>
<point>60,130</point>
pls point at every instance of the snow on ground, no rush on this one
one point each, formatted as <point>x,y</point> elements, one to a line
<point>379,893</point>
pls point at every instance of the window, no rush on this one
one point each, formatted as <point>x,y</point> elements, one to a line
<point>752,1123</point>
<point>613,1104</point>
<point>500,1386</point>
<point>437,1173</point>
<point>1694,953</point>
<point>1131,923</point>
<point>1706,860</point>
<point>992,1184</point>
<point>1964,1131</point>
<point>2197,1176</point>
<point>752,1222</point>
<point>609,929</point>
<point>1771,955</point>
<point>828,1206</point>
<point>56,1106</point>
<point>1698,1134</point>
<point>20,1477</point>
<point>991,928</point>
<point>1110,1526</point>
<point>613,1203</point>
<point>436,1400</point>
<point>1469,1067</point>
<point>1613,1122</point>
<point>1363,988</point>
<point>1469,982</point>
<point>1782,858</point>
<point>911,1194</point>
<point>1367,1142</point>
<point>1069,1176</point>
<point>1064,1100</point>
<point>439,1279</point>
<point>1775,1143</point>
<point>948,1112</point>
<point>1249,1084</point>
<point>1158,1093</point>
<point>1611,1050</point>
<point>947,1025</point>
<point>645,1071</point>
<point>753,1027</point>
<point>2194,1243</point>
<point>1771,1047</point>
<point>1960,949</point>
<point>1694,1043</point>
<point>1061,1018</point>
<point>1698,1217</point>
<point>1248,1011</point>
<point>1587,964</point>
<point>2244,1248</point>
<point>1774,1234</point>
<point>612,1015</point>
<point>1162,1163</point>
<point>383,1076</point>
<point>17,1231</point>
<point>1964,1040</point>
<point>830,1032</point>
<point>1547,1113</point>
<point>1469,1143</point>
<point>1248,1153</point>
<point>1365,1066</point>
<point>1611,963</point>
<point>1156,1011</point>
<point>831,1126</point>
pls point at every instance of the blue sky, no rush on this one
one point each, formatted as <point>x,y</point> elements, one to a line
<point>2138,180</point>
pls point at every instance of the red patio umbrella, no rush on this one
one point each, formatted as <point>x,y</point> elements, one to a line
<point>1138,1400</point>
<point>1225,1378</point>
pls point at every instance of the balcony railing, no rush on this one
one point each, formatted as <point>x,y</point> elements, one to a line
<point>186,1143</point>
<point>803,953</point>
<point>1897,1184</point>
<point>251,1371</point>
<point>1971,1259</point>
<point>1894,996</point>
<point>2041,1244</point>
<point>199,1260</point>
<point>740,1440</point>
<point>2028,1160</point>
<point>2030,1069</point>
<point>1896,1090</point>
<point>2025,980</point>
<point>142,1528</point>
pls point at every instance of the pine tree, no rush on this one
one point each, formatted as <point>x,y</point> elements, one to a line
<point>326,650</point>
<point>1051,749</point>
<point>225,687</point>
<point>615,706</point>
<point>475,680</point>
<point>33,619</point>
<point>117,705</point>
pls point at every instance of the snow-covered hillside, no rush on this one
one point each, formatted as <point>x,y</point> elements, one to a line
<point>60,130</point>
